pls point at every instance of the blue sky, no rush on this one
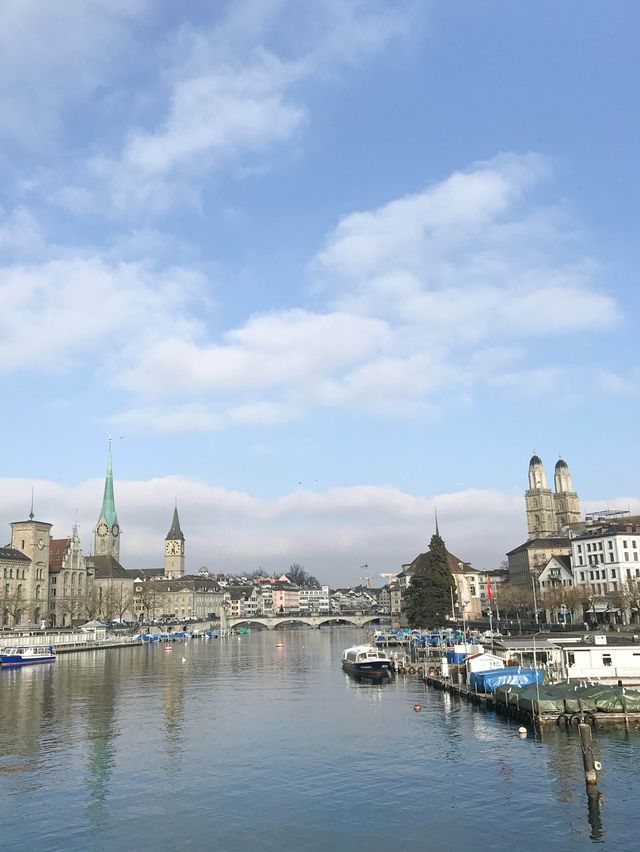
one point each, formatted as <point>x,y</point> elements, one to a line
<point>318,268</point>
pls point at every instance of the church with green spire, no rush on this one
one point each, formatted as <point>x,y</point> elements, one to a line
<point>107,535</point>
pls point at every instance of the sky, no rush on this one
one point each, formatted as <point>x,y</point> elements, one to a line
<point>320,269</point>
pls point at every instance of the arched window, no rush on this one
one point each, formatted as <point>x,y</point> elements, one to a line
<point>37,593</point>
<point>19,591</point>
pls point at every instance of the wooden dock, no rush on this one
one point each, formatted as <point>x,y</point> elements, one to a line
<point>595,719</point>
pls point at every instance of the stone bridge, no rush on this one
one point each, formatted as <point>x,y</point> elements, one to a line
<point>275,621</point>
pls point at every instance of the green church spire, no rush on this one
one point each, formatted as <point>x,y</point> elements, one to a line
<point>108,502</point>
<point>107,542</point>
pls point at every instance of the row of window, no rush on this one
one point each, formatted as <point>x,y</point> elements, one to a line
<point>597,545</point>
<point>7,591</point>
<point>8,573</point>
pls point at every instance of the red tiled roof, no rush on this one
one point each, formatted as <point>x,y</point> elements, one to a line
<point>57,549</point>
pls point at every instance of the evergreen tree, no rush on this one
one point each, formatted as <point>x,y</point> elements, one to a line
<point>427,601</point>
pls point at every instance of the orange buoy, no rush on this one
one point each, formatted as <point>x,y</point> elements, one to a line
<point>417,707</point>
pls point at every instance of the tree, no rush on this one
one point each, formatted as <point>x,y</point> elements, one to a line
<point>299,577</point>
<point>427,601</point>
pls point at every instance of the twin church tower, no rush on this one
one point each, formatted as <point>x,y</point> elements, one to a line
<point>549,512</point>
<point>107,533</point>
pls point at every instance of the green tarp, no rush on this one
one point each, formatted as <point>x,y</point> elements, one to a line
<point>569,698</point>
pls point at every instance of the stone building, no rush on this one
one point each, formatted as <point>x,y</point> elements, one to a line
<point>70,583</point>
<point>14,566</point>
<point>25,570</point>
<point>550,512</point>
<point>112,594</point>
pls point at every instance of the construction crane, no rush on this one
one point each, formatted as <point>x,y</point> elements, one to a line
<point>366,577</point>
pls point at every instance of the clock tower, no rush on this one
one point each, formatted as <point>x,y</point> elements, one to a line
<point>174,550</point>
<point>107,536</point>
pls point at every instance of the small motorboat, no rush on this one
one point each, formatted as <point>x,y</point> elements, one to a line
<point>366,661</point>
<point>24,655</point>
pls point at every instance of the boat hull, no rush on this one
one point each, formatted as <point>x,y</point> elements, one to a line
<point>18,662</point>
<point>370,668</point>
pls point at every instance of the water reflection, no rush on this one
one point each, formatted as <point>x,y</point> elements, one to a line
<point>298,748</point>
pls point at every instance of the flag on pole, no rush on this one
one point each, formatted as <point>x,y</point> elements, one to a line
<point>489,592</point>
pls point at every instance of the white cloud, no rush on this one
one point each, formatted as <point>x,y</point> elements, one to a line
<point>286,348</point>
<point>331,533</point>
<point>233,89</point>
<point>430,298</point>
<point>87,306</point>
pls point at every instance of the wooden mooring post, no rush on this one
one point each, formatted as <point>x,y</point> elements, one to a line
<point>590,765</point>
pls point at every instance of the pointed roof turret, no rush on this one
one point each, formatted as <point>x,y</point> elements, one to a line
<point>175,533</point>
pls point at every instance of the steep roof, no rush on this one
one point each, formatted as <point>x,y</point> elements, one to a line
<point>106,567</point>
<point>175,533</point>
<point>542,543</point>
<point>108,511</point>
<point>10,553</point>
<point>58,547</point>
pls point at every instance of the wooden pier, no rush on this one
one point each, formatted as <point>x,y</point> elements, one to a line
<point>573,720</point>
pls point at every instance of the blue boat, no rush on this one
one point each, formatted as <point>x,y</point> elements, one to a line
<point>23,655</point>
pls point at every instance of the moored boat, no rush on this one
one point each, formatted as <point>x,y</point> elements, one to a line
<point>366,661</point>
<point>24,655</point>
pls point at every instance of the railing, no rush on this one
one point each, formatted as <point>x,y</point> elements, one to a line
<point>66,640</point>
<point>604,671</point>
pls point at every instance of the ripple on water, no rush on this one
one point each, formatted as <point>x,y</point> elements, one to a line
<point>245,746</point>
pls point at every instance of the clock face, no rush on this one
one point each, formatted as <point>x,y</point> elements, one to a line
<point>103,529</point>
<point>115,529</point>
<point>168,548</point>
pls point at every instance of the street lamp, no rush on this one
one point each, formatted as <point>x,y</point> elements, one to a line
<point>463,604</point>
<point>534,580</point>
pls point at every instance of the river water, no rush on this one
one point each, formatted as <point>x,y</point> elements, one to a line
<point>238,745</point>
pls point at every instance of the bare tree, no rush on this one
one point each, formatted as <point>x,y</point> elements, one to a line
<point>14,605</point>
<point>299,577</point>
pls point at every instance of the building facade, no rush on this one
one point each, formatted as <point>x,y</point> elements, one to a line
<point>70,583</point>
<point>550,512</point>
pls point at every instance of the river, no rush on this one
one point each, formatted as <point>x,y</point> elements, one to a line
<point>238,745</point>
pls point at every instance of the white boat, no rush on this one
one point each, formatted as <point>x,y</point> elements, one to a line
<point>367,661</point>
<point>25,655</point>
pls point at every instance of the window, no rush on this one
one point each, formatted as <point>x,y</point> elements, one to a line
<point>611,557</point>
<point>613,573</point>
<point>580,562</point>
<point>606,659</point>
<point>626,556</point>
<point>610,544</point>
<point>582,576</point>
<point>571,659</point>
<point>599,545</point>
<point>579,548</point>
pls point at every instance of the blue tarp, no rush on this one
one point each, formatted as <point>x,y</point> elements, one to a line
<point>487,681</point>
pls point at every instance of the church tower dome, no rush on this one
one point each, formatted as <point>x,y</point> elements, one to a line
<point>566,501</point>
<point>541,516</point>
<point>537,476</point>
